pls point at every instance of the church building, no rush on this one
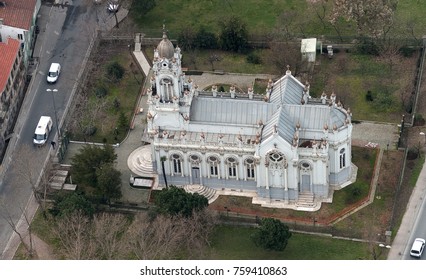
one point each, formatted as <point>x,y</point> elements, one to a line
<point>282,147</point>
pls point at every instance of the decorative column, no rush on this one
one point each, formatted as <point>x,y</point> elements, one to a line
<point>267,176</point>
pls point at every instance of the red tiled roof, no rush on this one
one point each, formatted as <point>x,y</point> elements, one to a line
<point>17,13</point>
<point>9,50</point>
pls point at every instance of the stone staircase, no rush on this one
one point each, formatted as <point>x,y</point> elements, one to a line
<point>306,199</point>
<point>207,192</point>
<point>140,163</point>
<point>57,180</point>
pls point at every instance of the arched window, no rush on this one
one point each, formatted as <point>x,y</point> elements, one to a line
<point>342,158</point>
<point>249,164</point>
<point>213,163</point>
<point>177,166</point>
<point>167,90</point>
<point>232,167</point>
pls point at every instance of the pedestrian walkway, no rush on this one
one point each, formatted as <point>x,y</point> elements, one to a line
<point>411,218</point>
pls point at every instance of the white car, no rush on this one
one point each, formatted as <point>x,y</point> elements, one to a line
<point>53,74</point>
<point>417,248</point>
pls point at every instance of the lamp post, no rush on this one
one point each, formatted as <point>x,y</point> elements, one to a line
<point>54,109</point>
<point>424,136</point>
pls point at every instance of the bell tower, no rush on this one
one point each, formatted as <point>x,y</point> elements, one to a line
<point>170,95</point>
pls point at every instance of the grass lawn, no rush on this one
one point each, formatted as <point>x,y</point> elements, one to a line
<point>179,14</point>
<point>261,17</point>
<point>233,243</point>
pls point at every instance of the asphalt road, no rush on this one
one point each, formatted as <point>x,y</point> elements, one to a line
<point>65,34</point>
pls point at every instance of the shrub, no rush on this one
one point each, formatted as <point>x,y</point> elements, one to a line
<point>412,153</point>
<point>253,58</point>
<point>406,51</point>
<point>101,91</point>
<point>368,47</point>
<point>353,194</point>
<point>90,130</point>
<point>115,71</point>
<point>369,96</point>
<point>116,103</point>
<point>419,120</point>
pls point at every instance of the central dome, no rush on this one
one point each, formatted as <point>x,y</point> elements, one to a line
<point>165,47</point>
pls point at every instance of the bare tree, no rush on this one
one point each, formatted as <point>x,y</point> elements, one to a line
<point>73,232</point>
<point>107,234</point>
<point>14,225</point>
<point>198,231</point>
<point>286,27</point>
<point>28,175</point>
<point>285,54</point>
<point>86,113</point>
<point>168,237</point>
<point>157,239</point>
<point>390,53</point>
<point>319,7</point>
<point>213,58</point>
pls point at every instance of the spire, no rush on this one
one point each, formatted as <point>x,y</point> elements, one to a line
<point>164,31</point>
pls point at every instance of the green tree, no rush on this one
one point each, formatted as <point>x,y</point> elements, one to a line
<point>70,203</point>
<point>109,182</point>
<point>176,201</point>
<point>88,160</point>
<point>205,39</point>
<point>271,235</point>
<point>123,122</point>
<point>233,35</point>
<point>186,38</point>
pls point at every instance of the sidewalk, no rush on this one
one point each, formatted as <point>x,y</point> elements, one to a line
<point>400,243</point>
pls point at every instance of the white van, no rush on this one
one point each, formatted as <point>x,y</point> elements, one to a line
<point>42,130</point>
<point>53,74</point>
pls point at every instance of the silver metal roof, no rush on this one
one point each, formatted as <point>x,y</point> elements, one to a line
<point>230,111</point>
<point>287,90</point>
<point>309,117</point>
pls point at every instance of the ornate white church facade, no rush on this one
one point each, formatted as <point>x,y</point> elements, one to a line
<point>282,147</point>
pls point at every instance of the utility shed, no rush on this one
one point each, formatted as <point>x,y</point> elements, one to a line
<point>308,49</point>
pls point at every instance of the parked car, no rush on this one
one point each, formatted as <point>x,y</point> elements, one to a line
<point>42,130</point>
<point>53,74</point>
<point>417,248</point>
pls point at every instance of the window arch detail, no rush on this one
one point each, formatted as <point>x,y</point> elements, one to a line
<point>232,164</point>
<point>176,160</point>
<point>195,158</point>
<point>275,160</point>
<point>213,164</point>
<point>342,158</point>
<point>250,164</point>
